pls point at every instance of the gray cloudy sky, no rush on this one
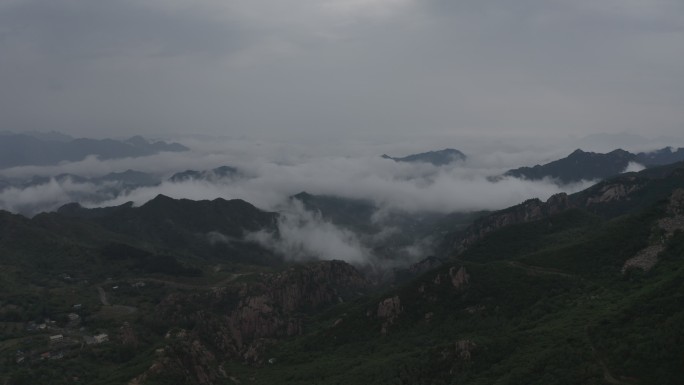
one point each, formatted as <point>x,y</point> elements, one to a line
<point>301,67</point>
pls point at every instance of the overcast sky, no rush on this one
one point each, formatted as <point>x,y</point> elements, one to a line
<point>294,68</point>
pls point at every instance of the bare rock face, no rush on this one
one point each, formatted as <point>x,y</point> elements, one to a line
<point>237,320</point>
<point>612,192</point>
<point>455,279</point>
<point>316,285</point>
<point>644,260</point>
<point>127,335</point>
<point>463,349</point>
<point>185,359</point>
<point>389,310</point>
<point>673,221</point>
<point>424,265</point>
<point>458,355</point>
<point>459,277</point>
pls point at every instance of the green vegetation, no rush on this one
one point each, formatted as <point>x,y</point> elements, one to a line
<point>542,302</point>
<point>545,304</point>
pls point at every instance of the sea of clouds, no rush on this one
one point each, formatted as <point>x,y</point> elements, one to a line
<point>271,172</point>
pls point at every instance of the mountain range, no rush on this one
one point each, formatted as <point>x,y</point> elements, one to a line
<point>49,149</point>
<point>581,165</point>
<point>583,288</point>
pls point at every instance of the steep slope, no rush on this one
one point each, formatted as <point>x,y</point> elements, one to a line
<point>545,300</point>
<point>616,196</point>
<point>543,293</point>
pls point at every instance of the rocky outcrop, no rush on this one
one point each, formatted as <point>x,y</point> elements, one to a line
<point>617,196</point>
<point>612,192</point>
<point>463,349</point>
<point>665,228</point>
<point>424,265</point>
<point>184,359</point>
<point>389,310</point>
<point>239,320</point>
<point>127,335</point>
<point>457,356</point>
<point>459,277</point>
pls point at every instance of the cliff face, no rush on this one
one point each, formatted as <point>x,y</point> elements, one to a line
<point>664,229</point>
<point>241,320</point>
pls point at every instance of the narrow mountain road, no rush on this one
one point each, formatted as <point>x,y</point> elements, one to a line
<point>181,285</point>
<point>538,269</point>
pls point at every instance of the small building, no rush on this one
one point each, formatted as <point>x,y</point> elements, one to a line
<point>73,317</point>
<point>56,338</point>
<point>78,306</point>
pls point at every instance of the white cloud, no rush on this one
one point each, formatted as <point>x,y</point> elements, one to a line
<point>276,170</point>
<point>305,235</point>
<point>634,167</point>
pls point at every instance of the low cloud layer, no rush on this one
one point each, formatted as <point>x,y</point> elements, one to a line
<point>272,171</point>
<point>396,186</point>
<point>304,235</point>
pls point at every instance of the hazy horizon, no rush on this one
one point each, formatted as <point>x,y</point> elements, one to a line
<point>342,68</point>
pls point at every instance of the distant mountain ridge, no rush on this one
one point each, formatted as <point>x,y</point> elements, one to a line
<point>212,175</point>
<point>437,158</point>
<point>581,165</point>
<point>213,228</point>
<point>52,148</point>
